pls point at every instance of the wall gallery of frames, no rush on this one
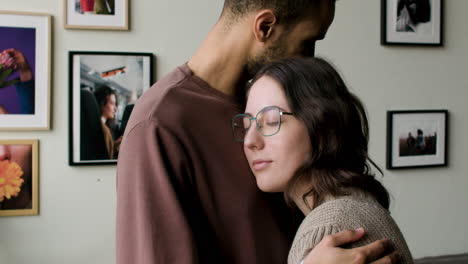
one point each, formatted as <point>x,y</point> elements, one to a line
<point>98,80</point>
<point>103,80</point>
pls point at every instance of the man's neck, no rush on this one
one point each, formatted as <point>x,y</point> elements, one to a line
<point>221,59</point>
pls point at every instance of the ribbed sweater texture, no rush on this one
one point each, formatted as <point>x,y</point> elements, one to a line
<point>348,212</point>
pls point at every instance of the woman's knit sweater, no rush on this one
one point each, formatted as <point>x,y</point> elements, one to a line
<point>348,212</point>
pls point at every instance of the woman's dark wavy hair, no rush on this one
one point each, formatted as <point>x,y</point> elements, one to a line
<point>337,126</point>
<point>102,93</point>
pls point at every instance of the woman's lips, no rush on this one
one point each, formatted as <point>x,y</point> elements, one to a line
<point>260,164</point>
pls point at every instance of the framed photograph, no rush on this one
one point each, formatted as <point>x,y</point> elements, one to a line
<point>104,87</point>
<point>96,14</point>
<point>25,63</point>
<point>19,169</point>
<point>416,138</point>
<point>412,22</point>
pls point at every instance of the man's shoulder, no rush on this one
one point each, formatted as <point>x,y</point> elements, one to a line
<point>177,98</point>
<point>165,97</point>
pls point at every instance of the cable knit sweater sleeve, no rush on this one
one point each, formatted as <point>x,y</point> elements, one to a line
<point>348,212</point>
<point>308,240</point>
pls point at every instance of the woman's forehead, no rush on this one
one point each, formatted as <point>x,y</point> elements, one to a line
<point>266,91</point>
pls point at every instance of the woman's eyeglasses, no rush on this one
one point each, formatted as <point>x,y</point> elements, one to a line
<point>268,122</point>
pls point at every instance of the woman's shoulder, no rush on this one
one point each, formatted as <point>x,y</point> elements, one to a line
<point>350,212</point>
<point>345,210</point>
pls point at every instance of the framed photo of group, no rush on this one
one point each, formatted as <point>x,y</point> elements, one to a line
<point>19,169</point>
<point>96,14</point>
<point>412,22</point>
<point>417,138</point>
<point>104,87</point>
<point>25,68</point>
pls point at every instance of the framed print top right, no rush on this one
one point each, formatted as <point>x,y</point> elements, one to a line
<point>412,22</point>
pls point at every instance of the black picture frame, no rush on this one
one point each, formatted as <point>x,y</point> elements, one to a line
<point>128,75</point>
<point>398,28</point>
<point>417,138</point>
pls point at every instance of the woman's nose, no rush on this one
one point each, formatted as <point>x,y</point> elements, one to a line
<point>5,153</point>
<point>253,139</point>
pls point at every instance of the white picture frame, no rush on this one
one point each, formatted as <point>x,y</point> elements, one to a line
<point>30,34</point>
<point>96,14</point>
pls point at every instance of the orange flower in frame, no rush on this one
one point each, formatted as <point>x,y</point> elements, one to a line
<point>10,179</point>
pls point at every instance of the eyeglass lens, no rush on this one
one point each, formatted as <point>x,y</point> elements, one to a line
<point>268,122</point>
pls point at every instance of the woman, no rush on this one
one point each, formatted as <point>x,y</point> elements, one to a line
<point>309,140</point>
<point>107,100</point>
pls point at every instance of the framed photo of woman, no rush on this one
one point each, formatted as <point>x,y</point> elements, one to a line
<point>104,87</point>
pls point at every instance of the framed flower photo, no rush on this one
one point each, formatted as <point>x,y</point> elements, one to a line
<point>104,87</point>
<point>412,22</point>
<point>417,138</point>
<point>96,14</point>
<point>25,63</point>
<point>19,169</point>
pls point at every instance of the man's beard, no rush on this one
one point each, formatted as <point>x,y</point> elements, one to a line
<point>274,52</point>
<point>254,65</point>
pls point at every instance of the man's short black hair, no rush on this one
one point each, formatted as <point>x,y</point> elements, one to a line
<point>286,11</point>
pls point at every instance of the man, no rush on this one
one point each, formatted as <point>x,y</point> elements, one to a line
<point>185,193</point>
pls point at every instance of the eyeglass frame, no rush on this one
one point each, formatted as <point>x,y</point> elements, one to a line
<point>281,113</point>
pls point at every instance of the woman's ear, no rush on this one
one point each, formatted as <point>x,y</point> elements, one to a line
<point>264,23</point>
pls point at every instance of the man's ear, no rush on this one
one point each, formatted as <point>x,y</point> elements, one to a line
<point>264,23</point>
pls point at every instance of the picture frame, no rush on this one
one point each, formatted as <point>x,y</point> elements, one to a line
<point>412,22</point>
<point>417,138</point>
<point>19,190</point>
<point>25,70</point>
<point>96,14</point>
<point>103,89</point>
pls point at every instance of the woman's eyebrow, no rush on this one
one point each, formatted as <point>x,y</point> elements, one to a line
<point>281,108</point>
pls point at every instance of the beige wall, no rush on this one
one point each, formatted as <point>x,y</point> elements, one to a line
<point>77,204</point>
<point>429,204</point>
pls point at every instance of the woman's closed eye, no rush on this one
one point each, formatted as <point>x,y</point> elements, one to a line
<point>273,123</point>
